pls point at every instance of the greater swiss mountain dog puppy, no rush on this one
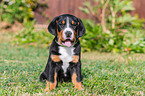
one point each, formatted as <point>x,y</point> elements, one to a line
<point>64,61</point>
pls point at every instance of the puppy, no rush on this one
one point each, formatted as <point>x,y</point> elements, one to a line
<point>64,62</point>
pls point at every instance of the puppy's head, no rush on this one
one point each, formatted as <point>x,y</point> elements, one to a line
<point>67,29</point>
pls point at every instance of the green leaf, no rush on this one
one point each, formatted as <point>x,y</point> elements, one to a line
<point>128,6</point>
<point>111,42</point>
<point>90,22</point>
<point>127,18</point>
<point>87,3</point>
<point>124,5</point>
<point>85,10</point>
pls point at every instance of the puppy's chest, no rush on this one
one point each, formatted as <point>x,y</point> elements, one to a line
<point>66,56</point>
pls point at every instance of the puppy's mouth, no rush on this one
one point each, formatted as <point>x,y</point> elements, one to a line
<point>67,42</point>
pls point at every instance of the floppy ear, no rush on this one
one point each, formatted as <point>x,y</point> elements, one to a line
<point>52,26</point>
<point>81,28</point>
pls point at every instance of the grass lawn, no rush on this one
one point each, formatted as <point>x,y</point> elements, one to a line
<point>103,73</point>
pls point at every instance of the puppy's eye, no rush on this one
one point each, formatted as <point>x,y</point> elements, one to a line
<point>63,22</point>
<point>72,22</point>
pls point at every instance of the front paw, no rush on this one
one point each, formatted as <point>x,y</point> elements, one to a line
<point>75,59</point>
<point>79,86</point>
<point>47,86</point>
<point>46,89</point>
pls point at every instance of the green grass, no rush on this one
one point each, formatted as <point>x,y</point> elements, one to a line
<point>103,73</point>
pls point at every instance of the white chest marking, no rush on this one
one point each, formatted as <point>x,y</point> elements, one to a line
<point>66,56</point>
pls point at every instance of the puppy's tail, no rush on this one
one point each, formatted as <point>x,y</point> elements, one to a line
<point>43,77</point>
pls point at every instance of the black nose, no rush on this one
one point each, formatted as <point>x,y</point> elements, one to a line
<point>68,33</point>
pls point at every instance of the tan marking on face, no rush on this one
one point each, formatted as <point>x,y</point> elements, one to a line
<point>50,85</point>
<point>56,21</point>
<point>60,36</point>
<point>74,37</point>
<point>78,85</point>
<point>55,58</point>
<point>72,22</point>
<point>63,22</point>
<point>75,58</point>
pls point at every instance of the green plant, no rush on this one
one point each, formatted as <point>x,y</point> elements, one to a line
<point>115,26</point>
<point>20,10</point>
<point>29,35</point>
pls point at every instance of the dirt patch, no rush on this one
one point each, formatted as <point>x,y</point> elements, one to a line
<point>7,27</point>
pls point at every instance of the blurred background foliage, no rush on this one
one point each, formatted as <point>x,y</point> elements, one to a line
<point>29,35</point>
<point>20,10</point>
<point>116,30</point>
<point>113,30</point>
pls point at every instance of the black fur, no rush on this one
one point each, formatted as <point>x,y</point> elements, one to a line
<point>51,66</point>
